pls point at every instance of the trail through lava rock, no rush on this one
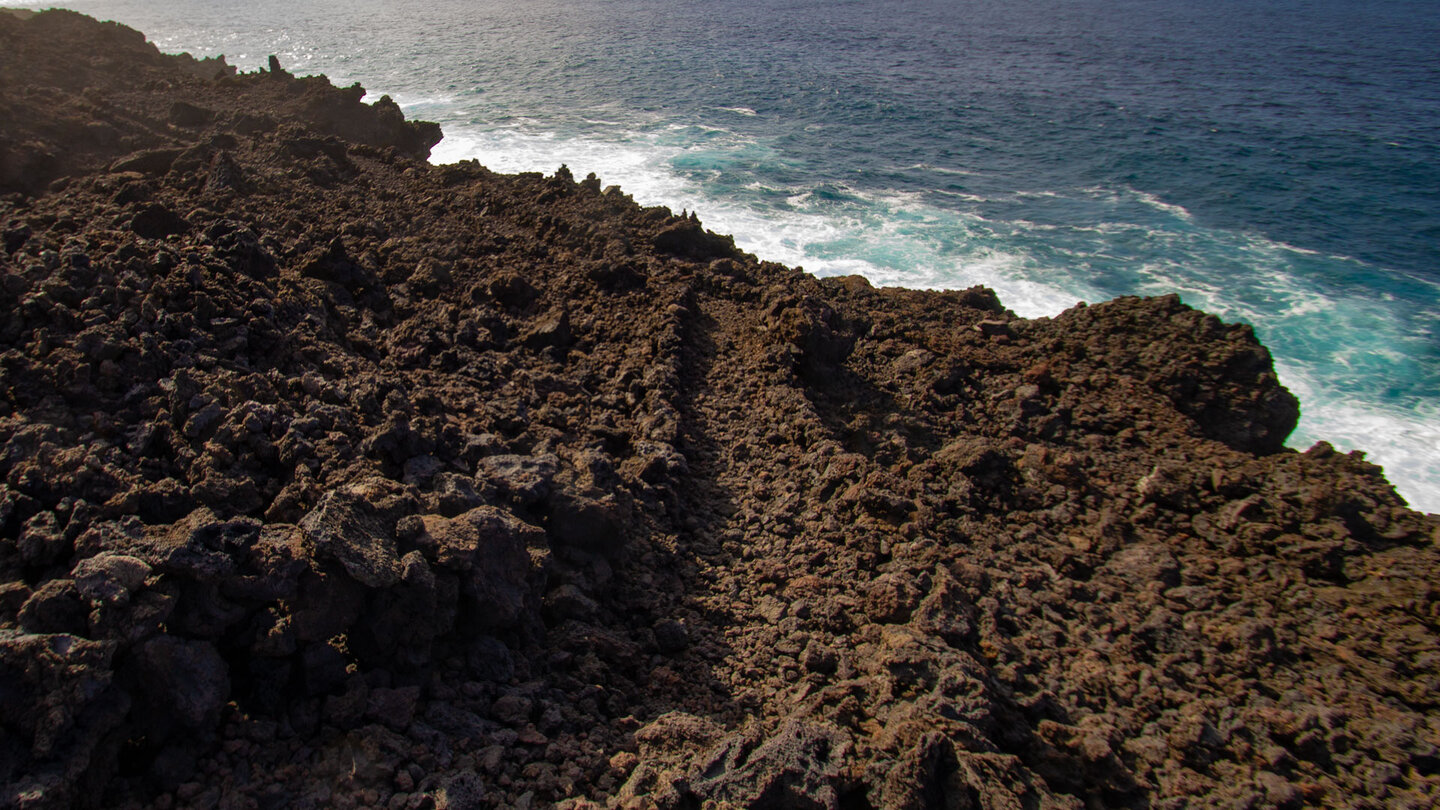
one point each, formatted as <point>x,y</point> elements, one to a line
<point>334,478</point>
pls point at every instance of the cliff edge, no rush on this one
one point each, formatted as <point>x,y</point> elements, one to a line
<point>332,478</point>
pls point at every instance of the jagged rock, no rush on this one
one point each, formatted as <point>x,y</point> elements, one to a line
<point>815,329</point>
<point>490,660</point>
<point>890,599</point>
<point>57,706</point>
<point>569,602</point>
<point>109,577</point>
<point>184,679</point>
<point>333,263</point>
<point>350,527</point>
<point>686,238</point>
<point>41,541</point>
<point>185,114</point>
<point>158,222</point>
<point>201,545</point>
<point>675,732</point>
<point>513,710</point>
<point>799,766</point>
<point>735,534</point>
<point>12,596</point>
<point>524,478</point>
<point>464,791</point>
<point>1218,375</point>
<point>671,636</point>
<point>323,668</point>
<point>512,291</point>
<point>421,469</point>
<point>328,604</point>
<point>345,710</point>
<point>586,523</point>
<point>490,550</point>
<point>553,331</point>
<point>403,621</point>
<point>454,493</point>
<point>657,462</point>
<point>54,607</point>
<point>150,161</point>
<point>393,707</point>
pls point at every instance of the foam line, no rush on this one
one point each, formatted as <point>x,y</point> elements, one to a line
<point>1405,442</point>
<point>1038,267</point>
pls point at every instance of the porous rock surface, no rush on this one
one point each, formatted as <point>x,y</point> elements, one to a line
<point>335,479</point>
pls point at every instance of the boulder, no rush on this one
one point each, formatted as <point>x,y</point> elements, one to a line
<point>158,222</point>
<point>109,577</point>
<point>463,791</point>
<point>352,526</point>
<point>54,607</point>
<point>200,547</point>
<point>183,679</point>
<point>527,479</point>
<point>58,706</point>
<point>490,550</point>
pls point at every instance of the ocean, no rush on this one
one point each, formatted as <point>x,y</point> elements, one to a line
<point>1272,161</point>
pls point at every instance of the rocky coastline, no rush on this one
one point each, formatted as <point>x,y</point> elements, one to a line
<point>332,478</point>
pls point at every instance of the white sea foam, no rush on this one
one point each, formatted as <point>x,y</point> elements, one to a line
<point>960,195</point>
<point>636,161</point>
<point>1300,250</point>
<point>901,239</point>
<point>409,103</point>
<point>926,167</point>
<point>1160,205</point>
<point>1324,341</point>
<point>1335,350</point>
<point>1405,442</point>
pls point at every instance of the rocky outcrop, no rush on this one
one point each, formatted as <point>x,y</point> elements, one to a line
<point>332,478</point>
<point>98,106</point>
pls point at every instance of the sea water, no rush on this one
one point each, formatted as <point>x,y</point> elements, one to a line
<point>1272,161</point>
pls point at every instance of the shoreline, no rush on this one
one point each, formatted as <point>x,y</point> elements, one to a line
<point>1311,349</point>
<point>334,477</point>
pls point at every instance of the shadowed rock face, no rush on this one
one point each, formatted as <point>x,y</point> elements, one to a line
<point>85,94</point>
<point>329,477</point>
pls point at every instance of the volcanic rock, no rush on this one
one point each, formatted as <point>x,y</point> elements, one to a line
<point>329,477</point>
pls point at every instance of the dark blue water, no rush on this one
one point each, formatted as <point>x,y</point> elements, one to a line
<point>1275,162</point>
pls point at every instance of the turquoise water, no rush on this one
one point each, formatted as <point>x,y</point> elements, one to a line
<point>1272,162</point>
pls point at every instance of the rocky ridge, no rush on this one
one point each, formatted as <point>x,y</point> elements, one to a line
<point>334,478</point>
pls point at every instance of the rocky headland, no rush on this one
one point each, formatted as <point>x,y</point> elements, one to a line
<point>331,478</point>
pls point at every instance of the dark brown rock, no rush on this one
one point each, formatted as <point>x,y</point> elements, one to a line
<point>54,607</point>
<point>350,526</point>
<point>58,707</point>
<point>734,534</point>
<point>184,679</point>
<point>489,550</point>
<point>158,222</point>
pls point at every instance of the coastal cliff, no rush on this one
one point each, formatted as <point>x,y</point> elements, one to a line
<point>334,478</point>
